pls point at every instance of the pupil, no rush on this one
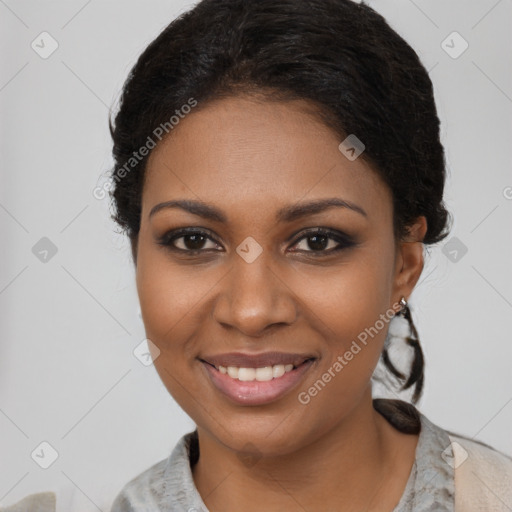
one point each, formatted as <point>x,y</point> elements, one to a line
<point>316,245</point>
<point>193,242</point>
<point>315,242</point>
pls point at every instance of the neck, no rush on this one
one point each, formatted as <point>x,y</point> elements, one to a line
<point>345,465</point>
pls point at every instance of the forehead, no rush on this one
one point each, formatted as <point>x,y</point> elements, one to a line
<point>243,153</point>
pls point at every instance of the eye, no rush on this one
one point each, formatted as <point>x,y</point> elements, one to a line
<point>193,241</point>
<point>189,240</point>
<point>324,241</point>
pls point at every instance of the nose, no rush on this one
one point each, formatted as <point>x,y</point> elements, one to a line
<point>254,298</point>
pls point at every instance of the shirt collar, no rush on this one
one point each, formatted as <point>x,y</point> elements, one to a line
<point>430,487</point>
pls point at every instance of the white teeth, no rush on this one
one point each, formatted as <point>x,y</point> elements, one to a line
<point>278,370</point>
<point>263,374</point>
<point>233,372</point>
<point>246,374</point>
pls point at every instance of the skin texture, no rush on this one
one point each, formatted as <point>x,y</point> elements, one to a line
<point>250,158</point>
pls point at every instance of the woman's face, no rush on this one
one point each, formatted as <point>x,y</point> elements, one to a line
<point>263,280</point>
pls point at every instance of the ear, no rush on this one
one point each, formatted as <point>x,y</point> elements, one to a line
<point>409,260</point>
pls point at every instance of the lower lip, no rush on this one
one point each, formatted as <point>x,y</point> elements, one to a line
<point>257,392</point>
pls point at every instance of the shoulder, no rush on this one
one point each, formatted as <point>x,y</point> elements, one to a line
<point>142,493</point>
<point>42,502</point>
<point>470,476</point>
<point>483,475</point>
<point>481,454</point>
<point>165,486</point>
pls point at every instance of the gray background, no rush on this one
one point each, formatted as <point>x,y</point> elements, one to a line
<point>69,325</point>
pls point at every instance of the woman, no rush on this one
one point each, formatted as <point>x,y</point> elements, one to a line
<point>278,173</point>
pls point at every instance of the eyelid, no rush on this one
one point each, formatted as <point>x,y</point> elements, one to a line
<point>343,240</point>
<point>174,234</point>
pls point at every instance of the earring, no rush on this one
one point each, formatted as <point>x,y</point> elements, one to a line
<point>404,305</point>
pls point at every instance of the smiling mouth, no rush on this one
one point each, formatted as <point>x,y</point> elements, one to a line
<point>257,386</point>
<point>260,374</point>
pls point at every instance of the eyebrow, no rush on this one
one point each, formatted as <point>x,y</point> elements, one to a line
<point>286,214</point>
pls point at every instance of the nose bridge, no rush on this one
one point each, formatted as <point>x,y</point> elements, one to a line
<point>253,297</point>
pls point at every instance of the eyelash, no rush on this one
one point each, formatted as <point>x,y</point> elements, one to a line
<point>344,240</point>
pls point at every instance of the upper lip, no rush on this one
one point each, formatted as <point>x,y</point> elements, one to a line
<point>242,360</point>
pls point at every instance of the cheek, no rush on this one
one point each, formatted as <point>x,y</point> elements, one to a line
<point>167,294</point>
<point>167,298</point>
<point>352,297</point>
<point>351,308</point>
